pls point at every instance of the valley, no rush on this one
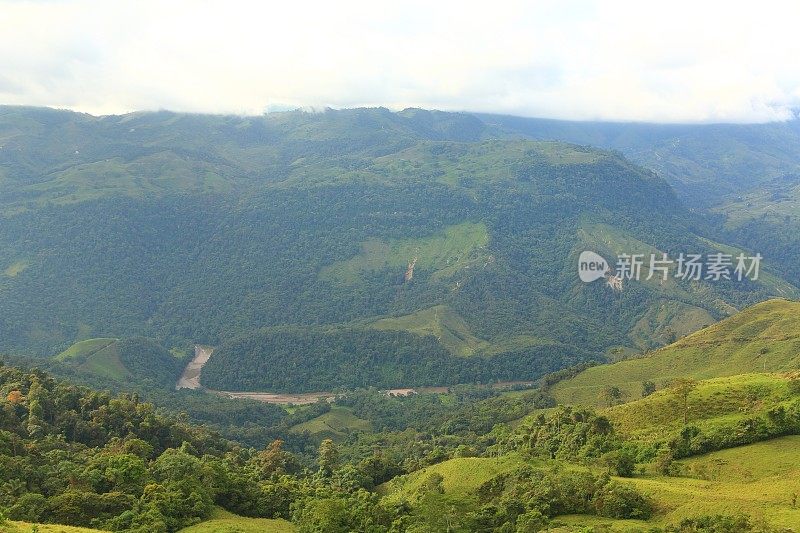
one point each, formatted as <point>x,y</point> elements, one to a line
<point>408,267</point>
<point>365,320</point>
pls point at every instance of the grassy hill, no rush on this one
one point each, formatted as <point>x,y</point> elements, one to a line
<point>762,338</point>
<point>460,477</point>
<point>335,424</point>
<point>442,322</point>
<point>222,521</point>
<point>758,479</point>
<point>749,479</point>
<point>124,360</point>
<point>96,356</point>
<point>715,403</point>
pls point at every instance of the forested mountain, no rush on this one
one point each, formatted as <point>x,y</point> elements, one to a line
<point>706,163</point>
<point>744,177</point>
<point>409,241</point>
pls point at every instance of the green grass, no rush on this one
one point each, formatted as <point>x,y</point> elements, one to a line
<point>152,175</point>
<point>461,476</point>
<point>224,522</point>
<point>85,348</point>
<point>714,402</point>
<point>453,332</point>
<point>782,206</point>
<point>775,458</point>
<point>450,163</point>
<point>335,424</point>
<point>458,247</point>
<point>97,356</point>
<point>441,322</point>
<point>766,495</point>
<point>733,346</point>
<point>768,498</point>
<point>26,527</point>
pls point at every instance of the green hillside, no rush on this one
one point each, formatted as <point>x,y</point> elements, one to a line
<point>443,323</point>
<point>715,404</point>
<point>704,162</point>
<point>136,360</point>
<point>460,477</point>
<point>222,521</point>
<point>757,480</point>
<point>762,338</point>
<point>96,356</point>
<point>335,424</point>
<point>261,234</point>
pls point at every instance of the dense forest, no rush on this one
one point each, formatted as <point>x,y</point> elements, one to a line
<point>269,243</point>
<point>307,360</point>
<point>71,455</point>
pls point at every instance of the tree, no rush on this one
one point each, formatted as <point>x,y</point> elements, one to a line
<point>328,456</point>
<point>275,461</point>
<point>648,388</point>
<point>323,515</point>
<point>682,388</point>
<point>612,395</point>
<point>620,462</point>
<point>664,462</point>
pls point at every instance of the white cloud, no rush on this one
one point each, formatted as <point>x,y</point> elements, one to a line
<point>685,61</point>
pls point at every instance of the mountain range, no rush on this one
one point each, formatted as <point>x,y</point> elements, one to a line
<point>366,247</point>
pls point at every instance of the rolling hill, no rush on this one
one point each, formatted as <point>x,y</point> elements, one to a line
<point>746,480</point>
<point>134,360</point>
<point>762,338</point>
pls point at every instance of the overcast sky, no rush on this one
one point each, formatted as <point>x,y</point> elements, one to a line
<point>683,61</point>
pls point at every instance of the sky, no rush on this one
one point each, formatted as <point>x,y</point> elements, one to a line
<point>678,61</point>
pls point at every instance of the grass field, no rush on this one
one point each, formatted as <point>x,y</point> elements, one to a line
<point>762,338</point>
<point>221,521</point>
<point>461,476</point>
<point>24,527</point>
<point>490,160</point>
<point>713,402</point>
<point>224,522</point>
<point>777,458</point>
<point>97,356</point>
<point>441,322</point>
<point>335,424</point>
<point>453,332</point>
<point>85,348</point>
<point>758,479</point>
<point>152,175</point>
<point>457,247</point>
<point>766,496</point>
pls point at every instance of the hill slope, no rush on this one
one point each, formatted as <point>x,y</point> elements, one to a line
<point>761,338</point>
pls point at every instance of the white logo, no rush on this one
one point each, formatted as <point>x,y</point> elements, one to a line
<point>592,266</point>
